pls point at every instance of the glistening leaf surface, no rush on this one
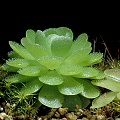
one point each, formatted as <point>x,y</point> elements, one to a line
<point>40,38</point>
<point>50,62</point>
<point>108,84</point>
<point>92,58</point>
<point>64,31</point>
<point>77,56</point>
<point>17,78</point>
<point>30,35</point>
<point>89,91</point>
<point>50,96</point>
<point>31,87</point>
<point>103,100</point>
<point>51,78</point>
<point>113,74</point>
<point>21,50</point>
<point>69,69</point>
<point>79,43</point>
<point>13,54</point>
<point>19,63</point>
<point>9,68</point>
<point>36,50</point>
<point>33,71</point>
<point>70,86</point>
<point>72,101</point>
<point>87,72</point>
<point>60,45</point>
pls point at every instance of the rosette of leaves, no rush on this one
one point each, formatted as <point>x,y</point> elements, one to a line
<point>55,66</point>
<point>110,82</point>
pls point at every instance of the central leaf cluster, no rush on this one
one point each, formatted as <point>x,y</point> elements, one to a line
<point>54,64</point>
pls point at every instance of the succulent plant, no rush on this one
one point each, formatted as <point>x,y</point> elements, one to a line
<point>54,65</point>
<point>110,82</point>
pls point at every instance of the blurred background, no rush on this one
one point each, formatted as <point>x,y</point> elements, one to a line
<point>100,25</point>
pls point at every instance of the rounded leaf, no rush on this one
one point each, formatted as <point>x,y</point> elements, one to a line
<point>40,38</point>
<point>30,35</point>
<point>13,54</point>
<point>20,50</point>
<point>103,100</point>
<point>33,70</point>
<point>17,62</point>
<point>108,84</point>
<point>17,78</point>
<point>87,72</point>
<point>78,56</point>
<point>31,87</point>
<point>69,69</point>
<point>79,43</point>
<point>70,86</point>
<point>85,101</point>
<point>50,62</point>
<point>100,75</point>
<point>50,96</point>
<point>49,31</point>
<point>89,91</point>
<point>60,45</point>
<point>72,101</point>
<point>113,74</point>
<point>64,31</point>
<point>36,50</point>
<point>91,59</point>
<point>51,78</point>
<point>24,41</point>
<point>9,68</point>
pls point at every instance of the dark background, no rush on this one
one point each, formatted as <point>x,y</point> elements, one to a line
<point>99,24</point>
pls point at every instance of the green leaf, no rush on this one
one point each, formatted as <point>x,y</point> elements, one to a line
<point>80,43</point>
<point>17,78</point>
<point>100,75</point>
<point>113,74</point>
<point>118,95</point>
<point>77,56</point>
<point>64,31</point>
<point>20,50</point>
<point>71,101</point>
<point>89,91</point>
<point>30,35</point>
<point>36,50</point>
<point>91,59</point>
<point>24,41</point>
<point>69,69</point>
<point>19,63</point>
<point>60,45</point>
<point>85,101</point>
<point>49,31</point>
<point>103,100</point>
<point>9,68</point>
<point>33,63</point>
<point>70,86</point>
<point>51,97</point>
<point>40,38</point>
<point>87,72</point>
<point>13,54</point>
<point>50,62</point>
<point>108,84</point>
<point>33,70</point>
<point>31,87</point>
<point>51,78</point>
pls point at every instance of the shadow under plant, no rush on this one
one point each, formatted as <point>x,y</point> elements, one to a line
<point>50,69</point>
